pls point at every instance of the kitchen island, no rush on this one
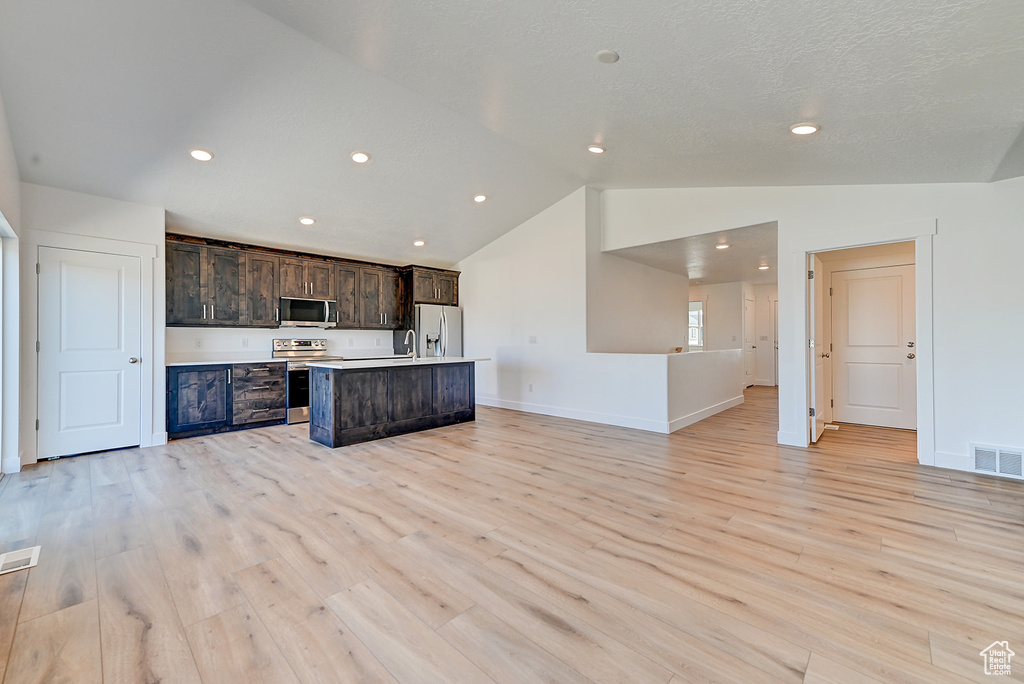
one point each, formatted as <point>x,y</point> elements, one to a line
<point>362,400</point>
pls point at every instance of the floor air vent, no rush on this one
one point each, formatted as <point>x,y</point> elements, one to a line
<point>997,460</point>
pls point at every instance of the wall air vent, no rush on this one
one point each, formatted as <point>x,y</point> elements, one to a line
<point>997,460</point>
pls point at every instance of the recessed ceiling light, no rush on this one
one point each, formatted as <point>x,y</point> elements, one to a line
<point>360,157</point>
<point>762,267</point>
<point>722,246</point>
<point>307,220</point>
<point>596,149</point>
<point>480,198</point>
<point>607,57</point>
<point>201,155</point>
<point>418,243</point>
<point>804,128</point>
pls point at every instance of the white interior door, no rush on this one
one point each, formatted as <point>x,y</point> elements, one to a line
<point>815,349</point>
<point>873,347</point>
<point>749,342</point>
<point>90,338</point>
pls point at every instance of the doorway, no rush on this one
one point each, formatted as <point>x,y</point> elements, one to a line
<point>862,351</point>
<point>89,352</point>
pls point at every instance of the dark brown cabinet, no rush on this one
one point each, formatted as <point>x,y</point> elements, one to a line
<point>307,278</point>
<point>215,398</point>
<point>348,300</point>
<point>430,286</point>
<point>379,305</point>
<point>198,398</point>
<point>261,295</point>
<point>205,285</point>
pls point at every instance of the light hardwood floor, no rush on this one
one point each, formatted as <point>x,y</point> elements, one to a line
<point>517,548</point>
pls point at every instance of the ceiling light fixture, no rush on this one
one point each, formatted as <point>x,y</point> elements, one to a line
<point>607,57</point>
<point>307,220</point>
<point>722,246</point>
<point>595,149</point>
<point>762,267</point>
<point>201,155</point>
<point>480,198</point>
<point>418,243</point>
<point>804,128</point>
<point>360,157</point>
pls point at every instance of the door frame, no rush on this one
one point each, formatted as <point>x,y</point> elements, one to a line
<point>795,334</point>
<point>152,347</point>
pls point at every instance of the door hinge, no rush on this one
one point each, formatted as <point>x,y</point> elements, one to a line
<point>810,275</point>
<point>37,269</point>
<point>37,346</point>
<point>812,412</point>
<point>830,292</point>
<point>832,403</point>
<point>37,423</point>
<point>830,346</point>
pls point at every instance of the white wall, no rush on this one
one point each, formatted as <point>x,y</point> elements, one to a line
<point>10,228</point>
<point>723,314</point>
<point>764,297</point>
<point>973,258</point>
<point>258,342</point>
<point>631,307</point>
<point>61,218</point>
<point>701,384</point>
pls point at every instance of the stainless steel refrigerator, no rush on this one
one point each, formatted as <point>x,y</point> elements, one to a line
<point>438,331</point>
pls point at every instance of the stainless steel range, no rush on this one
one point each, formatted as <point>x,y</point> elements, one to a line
<point>298,352</point>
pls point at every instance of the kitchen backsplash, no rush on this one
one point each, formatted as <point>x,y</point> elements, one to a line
<point>253,340</point>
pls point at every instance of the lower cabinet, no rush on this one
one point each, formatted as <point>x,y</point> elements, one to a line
<point>357,405</point>
<point>215,398</point>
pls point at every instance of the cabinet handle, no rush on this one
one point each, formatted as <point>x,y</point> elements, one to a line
<point>260,410</point>
<point>385,319</point>
<point>261,387</point>
<point>204,312</point>
<point>305,286</point>
<point>310,287</point>
<point>277,314</point>
<point>229,376</point>
<point>213,316</point>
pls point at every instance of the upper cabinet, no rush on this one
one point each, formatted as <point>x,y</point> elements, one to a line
<point>432,286</point>
<point>262,298</point>
<point>205,285</point>
<point>307,278</point>
<point>220,284</point>
<point>379,298</point>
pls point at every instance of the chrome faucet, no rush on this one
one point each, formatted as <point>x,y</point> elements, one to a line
<point>412,352</point>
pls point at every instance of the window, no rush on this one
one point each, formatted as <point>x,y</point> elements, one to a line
<point>696,325</point>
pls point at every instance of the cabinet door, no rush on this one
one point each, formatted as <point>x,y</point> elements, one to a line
<point>371,282</point>
<point>261,290</point>
<point>185,284</point>
<point>389,299</point>
<point>320,275</point>
<point>448,287</point>
<point>293,278</point>
<point>348,304</point>
<point>197,398</point>
<point>424,291</point>
<point>226,285</point>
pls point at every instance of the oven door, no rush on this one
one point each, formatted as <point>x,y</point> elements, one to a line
<point>297,389</point>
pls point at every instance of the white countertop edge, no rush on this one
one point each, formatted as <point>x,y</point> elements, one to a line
<point>390,363</point>
<point>223,362</point>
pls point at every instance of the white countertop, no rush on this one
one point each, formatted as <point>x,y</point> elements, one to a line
<point>350,364</point>
<point>215,359</point>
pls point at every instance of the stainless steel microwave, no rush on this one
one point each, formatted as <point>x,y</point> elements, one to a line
<point>308,313</point>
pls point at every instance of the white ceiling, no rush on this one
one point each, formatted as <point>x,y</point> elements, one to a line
<point>699,259</point>
<point>452,98</point>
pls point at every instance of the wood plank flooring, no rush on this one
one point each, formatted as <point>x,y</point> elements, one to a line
<point>518,548</point>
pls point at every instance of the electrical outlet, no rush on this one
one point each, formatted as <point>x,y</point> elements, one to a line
<point>351,342</point>
<point>377,341</point>
<point>245,343</point>
<point>199,343</point>
<point>530,387</point>
<point>764,338</point>
<point>532,340</point>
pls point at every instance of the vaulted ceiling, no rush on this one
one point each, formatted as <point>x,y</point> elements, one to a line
<point>452,98</point>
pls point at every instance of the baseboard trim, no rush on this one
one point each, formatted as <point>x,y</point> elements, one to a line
<point>953,461</point>
<point>10,466</point>
<point>795,439</point>
<point>575,414</point>
<point>158,439</point>
<point>696,416</point>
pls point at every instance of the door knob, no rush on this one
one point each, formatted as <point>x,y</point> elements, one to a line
<point>133,360</point>
<point>910,356</point>
<point>910,344</point>
<point>825,355</point>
